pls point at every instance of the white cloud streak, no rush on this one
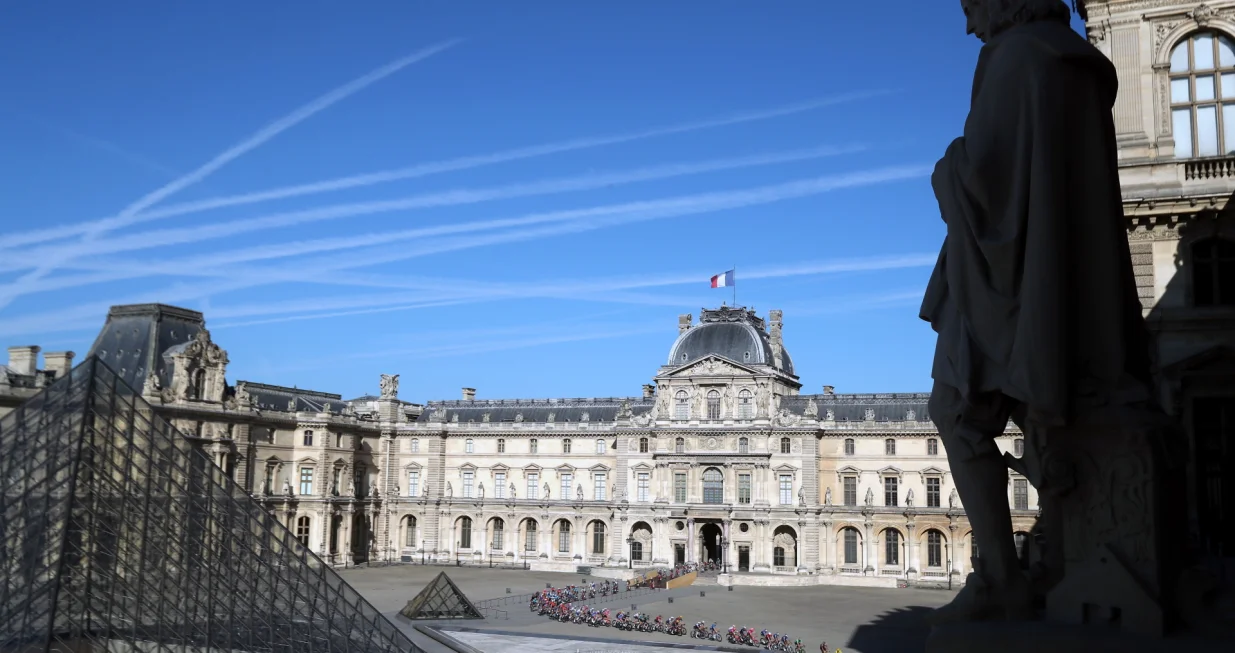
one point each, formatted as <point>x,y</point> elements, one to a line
<point>168,237</point>
<point>437,167</point>
<point>130,213</point>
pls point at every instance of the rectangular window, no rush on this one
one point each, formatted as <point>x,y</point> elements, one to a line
<point>565,446</point>
<point>644,482</point>
<point>501,445</point>
<point>892,548</point>
<point>563,538</point>
<point>567,479</point>
<point>468,479</point>
<point>851,546</point>
<point>851,490</point>
<point>532,445</point>
<point>890,494</point>
<point>413,483</point>
<point>1020,494</point>
<point>932,492</point>
<point>499,480</point>
<point>744,488</point>
<point>932,447</point>
<point>849,446</point>
<point>498,533</point>
<point>529,537</point>
<point>598,538</point>
<point>679,487</point>
<point>308,438</point>
<point>469,446</point>
<point>889,447</point>
<point>786,490</point>
<point>306,480</point>
<point>533,481</point>
<point>600,447</point>
<point>598,487</point>
<point>415,445</point>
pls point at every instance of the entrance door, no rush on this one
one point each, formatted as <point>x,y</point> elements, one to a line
<point>743,558</point>
<point>679,554</point>
<point>710,534</point>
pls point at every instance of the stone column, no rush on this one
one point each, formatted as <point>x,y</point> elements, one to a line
<point>828,557</point>
<point>956,561</point>
<point>868,545</point>
<point>911,530</point>
<point>728,549</point>
<point>346,536</point>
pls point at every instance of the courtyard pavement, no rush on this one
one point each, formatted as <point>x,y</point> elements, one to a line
<point>864,620</point>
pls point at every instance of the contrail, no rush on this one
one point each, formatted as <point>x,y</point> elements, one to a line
<point>166,237</point>
<point>129,214</point>
<point>425,169</point>
<point>576,220</point>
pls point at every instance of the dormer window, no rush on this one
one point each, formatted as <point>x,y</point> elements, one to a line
<point>681,406</point>
<point>1203,96</point>
<point>746,356</point>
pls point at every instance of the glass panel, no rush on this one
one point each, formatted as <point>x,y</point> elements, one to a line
<point>1203,52</point>
<point>1204,88</point>
<point>1228,127</point>
<point>1207,131</point>
<point>1179,58</point>
<point>1227,82</point>
<point>1181,120</point>
<point>1226,52</point>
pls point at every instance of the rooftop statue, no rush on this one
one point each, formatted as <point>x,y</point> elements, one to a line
<point>1033,295</point>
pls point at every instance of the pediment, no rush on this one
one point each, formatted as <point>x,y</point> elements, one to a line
<point>531,468</point>
<point>499,468</point>
<point>848,470</point>
<point>599,467</point>
<point>712,366</point>
<point>565,468</point>
<point>891,470</point>
<point>468,466</point>
<point>274,460</point>
<point>412,465</point>
<point>932,471</point>
<point>643,467</point>
<point>787,468</point>
<point>307,461</point>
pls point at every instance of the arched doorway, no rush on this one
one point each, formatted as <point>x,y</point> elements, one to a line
<point>785,548</point>
<point>709,539</point>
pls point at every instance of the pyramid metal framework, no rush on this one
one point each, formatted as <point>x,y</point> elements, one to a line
<point>119,534</point>
<point>440,599</point>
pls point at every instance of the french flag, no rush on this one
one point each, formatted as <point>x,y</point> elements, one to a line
<point>723,280</point>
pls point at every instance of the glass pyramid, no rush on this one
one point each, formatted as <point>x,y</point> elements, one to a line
<point>440,599</point>
<point>118,534</point>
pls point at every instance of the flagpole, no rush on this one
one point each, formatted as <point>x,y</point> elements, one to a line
<point>735,285</point>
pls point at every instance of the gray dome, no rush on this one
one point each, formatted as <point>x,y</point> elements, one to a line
<point>736,334</point>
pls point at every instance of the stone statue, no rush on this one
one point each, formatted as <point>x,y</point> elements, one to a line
<point>812,409</point>
<point>389,386</point>
<point>729,396</point>
<point>579,492</point>
<point>373,489</point>
<point>546,491</point>
<point>613,492</point>
<point>870,497</point>
<point>624,411</point>
<point>485,418</point>
<point>802,495</point>
<point>585,417</point>
<point>480,489</point>
<point>909,498</point>
<point>1026,279</point>
<point>152,385</point>
<point>512,492</point>
<point>518,417</point>
<point>763,400</point>
<point>450,492</point>
<point>827,497</point>
<point>287,487</point>
<point>953,501</point>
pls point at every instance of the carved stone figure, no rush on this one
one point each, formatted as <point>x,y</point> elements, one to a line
<point>786,418</point>
<point>546,491</point>
<point>869,414</point>
<point>373,489</point>
<point>579,492</point>
<point>485,418</point>
<point>812,409</point>
<point>518,417</point>
<point>585,417</point>
<point>802,495</point>
<point>909,498</point>
<point>827,497</point>
<point>437,415</point>
<point>613,492</point>
<point>552,417</point>
<point>389,385</point>
<point>624,411</point>
<point>152,385</point>
<point>728,397</point>
<point>870,497</point>
<point>763,400</point>
<point>450,492</point>
<point>480,489</point>
<point>454,418</point>
<point>911,415</point>
<point>287,487</point>
<point>831,415</point>
<point>662,401</point>
<point>953,501</point>
<point>512,492</point>
<point>291,405</point>
<point>1027,279</point>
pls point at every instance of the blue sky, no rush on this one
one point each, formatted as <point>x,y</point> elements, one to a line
<point>517,197</point>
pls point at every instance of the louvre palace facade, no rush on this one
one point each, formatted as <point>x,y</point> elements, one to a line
<point>720,457</point>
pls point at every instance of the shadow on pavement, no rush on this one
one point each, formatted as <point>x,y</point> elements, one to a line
<point>899,631</point>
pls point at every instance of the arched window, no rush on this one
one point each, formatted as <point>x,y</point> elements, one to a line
<point>499,534</point>
<point>308,438</point>
<point>600,447</point>
<point>598,538</point>
<point>1018,447</point>
<point>1213,267</point>
<point>784,445</point>
<point>743,445</point>
<point>529,536</point>
<point>465,533</point>
<point>891,547</point>
<point>1203,95</point>
<point>681,405</point>
<point>679,445</point>
<point>746,405</point>
<point>198,387</point>
<point>409,532</point>
<point>563,537</point>
<point>566,445</point>
<point>469,446</point>
<point>934,549</point>
<point>889,447</point>
<point>849,446</point>
<point>849,536</point>
<point>303,525</point>
<point>713,486</point>
<point>713,404</point>
<point>643,445</point>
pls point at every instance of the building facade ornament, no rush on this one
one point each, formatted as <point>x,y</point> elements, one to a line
<point>389,386</point>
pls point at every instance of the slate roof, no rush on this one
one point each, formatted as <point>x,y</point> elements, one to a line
<point>135,338</point>
<point>737,334</point>
<point>279,398</point>
<point>888,407</point>
<point>535,410</point>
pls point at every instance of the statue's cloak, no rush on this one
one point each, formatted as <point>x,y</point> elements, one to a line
<point>1034,294</point>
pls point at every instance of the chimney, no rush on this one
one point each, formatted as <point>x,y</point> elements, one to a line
<point>24,360</point>
<point>649,391</point>
<point>829,390</point>
<point>684,321</point>
<point>469,394</point>
<point>59,362</point>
